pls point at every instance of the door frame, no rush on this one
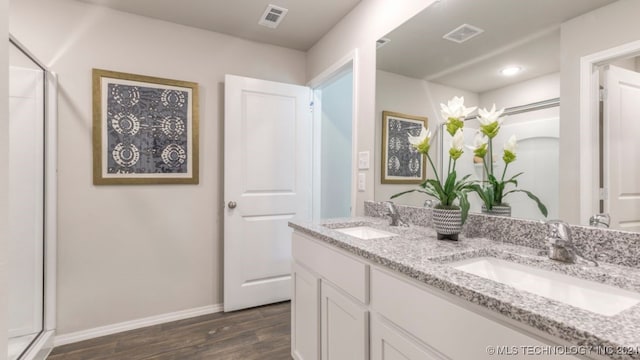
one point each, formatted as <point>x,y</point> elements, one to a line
<point>589,114</point>
<point>45,340</point>
<point>346,63</point>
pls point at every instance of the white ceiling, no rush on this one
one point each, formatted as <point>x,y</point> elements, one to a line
<point>305,23</point>
<point>516,32</point>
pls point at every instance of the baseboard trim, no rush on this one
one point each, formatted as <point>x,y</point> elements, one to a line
<point>41,348</point>
<point>77,336</point>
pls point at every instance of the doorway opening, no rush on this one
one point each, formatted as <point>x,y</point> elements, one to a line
<point>607,179</point>
<point>619,81</point>
<point>334,138</point>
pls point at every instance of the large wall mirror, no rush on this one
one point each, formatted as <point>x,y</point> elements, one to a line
<point>523,56</point>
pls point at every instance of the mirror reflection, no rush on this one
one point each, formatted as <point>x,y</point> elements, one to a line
<point>514,54</point>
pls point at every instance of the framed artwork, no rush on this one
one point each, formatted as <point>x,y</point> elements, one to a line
<point>145,129</point>
<point>401,163</point>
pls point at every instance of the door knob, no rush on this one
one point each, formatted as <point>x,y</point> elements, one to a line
<point>232,205</point>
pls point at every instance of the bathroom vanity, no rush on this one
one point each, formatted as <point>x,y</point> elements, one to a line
<point>360,293</point>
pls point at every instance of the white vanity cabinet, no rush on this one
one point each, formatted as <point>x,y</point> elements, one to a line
<point>390,343</point>
<point>330,315</point>
<point>305,311</point>
<point>346,308</point>
<point>344,326</point>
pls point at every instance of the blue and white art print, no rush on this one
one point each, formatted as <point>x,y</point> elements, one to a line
<point>145,129</point>
<point>402,163</point>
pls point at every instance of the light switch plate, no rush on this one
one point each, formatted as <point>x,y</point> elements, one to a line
<point>363,160</point>
<point>362,181</point>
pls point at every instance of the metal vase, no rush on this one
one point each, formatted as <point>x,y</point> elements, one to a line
<point>447,223</point>
<point>498,210</point>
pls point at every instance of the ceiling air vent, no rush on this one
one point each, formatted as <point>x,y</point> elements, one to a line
<point>272,16</point>
<point>382,42</point>
<point>463,33</point>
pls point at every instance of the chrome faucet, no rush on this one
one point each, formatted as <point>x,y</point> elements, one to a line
<point>600,220</point>
<point>394,215</point>
<point>561,247</point>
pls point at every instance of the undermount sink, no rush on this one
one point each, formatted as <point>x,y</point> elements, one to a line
<point>365,232</point>
<point>588,295</point>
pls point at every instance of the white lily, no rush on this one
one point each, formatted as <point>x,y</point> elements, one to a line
<point>457,145</point>
<point>479,147</point>
<point>478,141</point>
<point>457,142</point>
<point>487,117</point>
<point>510,150</point>
<point>490,121</point>
<point>455,108</point>
<point>511,144</point>
<point>422,141</point>
<point>417,140</point>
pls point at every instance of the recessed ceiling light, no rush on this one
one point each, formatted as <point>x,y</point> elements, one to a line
<point>511,70</point>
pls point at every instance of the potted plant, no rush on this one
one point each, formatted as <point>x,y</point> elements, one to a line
<point>451,212</point>
<point>494,191</point>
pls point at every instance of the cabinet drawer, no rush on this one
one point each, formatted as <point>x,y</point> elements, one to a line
<point>349,274</point>
<point>454,331</point>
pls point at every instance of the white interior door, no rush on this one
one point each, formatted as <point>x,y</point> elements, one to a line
<point>267,184</point>
<point>622,109</point>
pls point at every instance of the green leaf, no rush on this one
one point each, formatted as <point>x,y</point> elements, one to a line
<point>429,190</point>
<point>464,204</point>
<point>483,193</point>
<point>450,183</point>
<point>438,188</point>
<point>405,192</point>
<point>512,180</point>
<point>541,207</point>
<point>499,191</point>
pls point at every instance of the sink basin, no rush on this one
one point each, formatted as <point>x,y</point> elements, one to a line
<point>365,232</point>
<point>588,295</point>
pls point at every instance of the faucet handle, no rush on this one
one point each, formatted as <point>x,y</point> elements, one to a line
<point>559,232</point>
<point>600,219</point>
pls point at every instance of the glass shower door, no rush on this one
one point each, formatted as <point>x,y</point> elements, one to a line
<point>26,202</point>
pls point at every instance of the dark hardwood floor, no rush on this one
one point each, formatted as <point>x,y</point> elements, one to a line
<point>259,333</point>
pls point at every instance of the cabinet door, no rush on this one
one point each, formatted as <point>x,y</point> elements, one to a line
<point>305,315</point>
<point>344,325</point>
<point>388,343</point>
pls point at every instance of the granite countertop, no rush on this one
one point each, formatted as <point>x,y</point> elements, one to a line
<point>417,254</point>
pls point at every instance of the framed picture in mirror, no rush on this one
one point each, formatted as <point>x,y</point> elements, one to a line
<point>401,163</point>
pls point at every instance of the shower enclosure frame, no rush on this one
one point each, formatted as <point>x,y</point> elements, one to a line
<point>43,343</point>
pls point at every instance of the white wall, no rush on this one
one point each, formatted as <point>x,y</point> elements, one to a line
<point>601,29</point>
<point>410,96</point>
<point>4,180</point>
<point>537,133</point>
<point>127,252</point>
<point>337,100</point>
<point>526,92</point>
<point>366,23</point>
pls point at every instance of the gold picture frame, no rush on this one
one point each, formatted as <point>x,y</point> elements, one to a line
<point>145,130</point>
<point>401,163</point>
